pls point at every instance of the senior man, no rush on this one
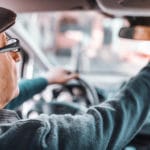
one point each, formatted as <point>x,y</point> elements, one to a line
<point>108,126</point>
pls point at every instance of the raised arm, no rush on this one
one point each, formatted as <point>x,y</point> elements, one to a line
<point>108,126</point>
<point>28,88</point>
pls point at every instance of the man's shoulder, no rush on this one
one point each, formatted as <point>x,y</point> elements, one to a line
<point>8,116</point>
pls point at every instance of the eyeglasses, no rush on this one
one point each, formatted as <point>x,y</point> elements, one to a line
<point>12,45</point>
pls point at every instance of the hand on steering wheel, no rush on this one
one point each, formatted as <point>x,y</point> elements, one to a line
<point>60,76</point>
<point>80,90</point>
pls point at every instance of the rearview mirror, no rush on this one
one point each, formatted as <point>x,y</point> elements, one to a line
<point>136,32</point>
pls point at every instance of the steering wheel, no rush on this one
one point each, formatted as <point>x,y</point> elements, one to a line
<point>80,90</point>
<point>87,94</point>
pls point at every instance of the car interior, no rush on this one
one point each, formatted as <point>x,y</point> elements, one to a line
<point>105,41</point>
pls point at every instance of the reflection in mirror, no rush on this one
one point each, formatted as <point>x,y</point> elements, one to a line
<point>135,32</point>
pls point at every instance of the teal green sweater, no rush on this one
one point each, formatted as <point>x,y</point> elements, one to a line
<point>107,126</point>
<point>28,88</point>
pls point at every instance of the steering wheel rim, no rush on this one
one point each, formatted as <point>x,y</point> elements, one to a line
<point>57,107</point>
<point>91,96</point>
<point>94,100</point>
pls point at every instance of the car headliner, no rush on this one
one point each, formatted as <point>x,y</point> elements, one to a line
<point>125,7</point>
<point>113,7</point>
<point>47,5</point>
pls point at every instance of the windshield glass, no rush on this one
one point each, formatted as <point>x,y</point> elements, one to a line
<point>86,42</point>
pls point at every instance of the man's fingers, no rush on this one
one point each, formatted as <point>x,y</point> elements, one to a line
<point>68,72</point>
<point>73,76</point>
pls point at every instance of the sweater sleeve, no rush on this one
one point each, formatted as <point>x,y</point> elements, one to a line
<point>28,88</point>
<point>108,126</point>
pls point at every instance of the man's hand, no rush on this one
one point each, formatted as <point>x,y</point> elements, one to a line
<point>60,76</point>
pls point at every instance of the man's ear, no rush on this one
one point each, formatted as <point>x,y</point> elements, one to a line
<point>16,56</point>
<point>3,40</point>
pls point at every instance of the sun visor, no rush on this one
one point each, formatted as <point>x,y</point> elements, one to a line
<point>125,7</point>
<point>7,19</point>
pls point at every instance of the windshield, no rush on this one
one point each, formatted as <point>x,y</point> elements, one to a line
<point>86,42</point>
